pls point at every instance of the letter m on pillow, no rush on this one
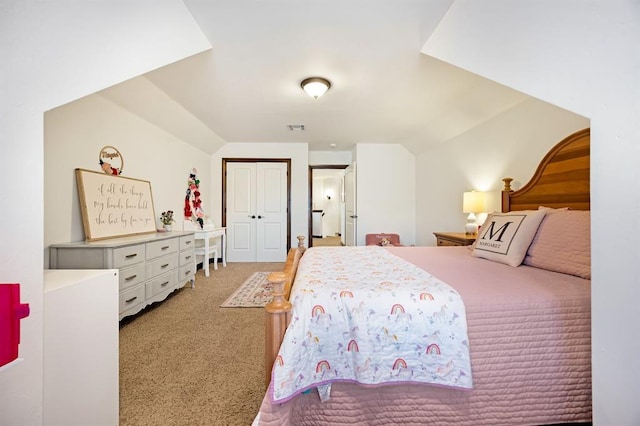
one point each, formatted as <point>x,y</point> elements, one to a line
<point>505,237</point>
<point>499,234</point>
<point>501,230</point>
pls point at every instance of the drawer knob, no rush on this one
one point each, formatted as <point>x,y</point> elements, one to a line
<point>164,283</point>
<point>165,265</point>
<point>165,247</point>
<point>130,278</point>
<point>131,256</point>
<point>131,300</point>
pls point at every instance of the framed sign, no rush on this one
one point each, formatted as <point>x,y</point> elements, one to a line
<point>114,206</point>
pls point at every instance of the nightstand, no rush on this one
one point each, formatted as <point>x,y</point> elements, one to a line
<point>454,239</point>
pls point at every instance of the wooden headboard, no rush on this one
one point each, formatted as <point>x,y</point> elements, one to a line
<point>561,180</point>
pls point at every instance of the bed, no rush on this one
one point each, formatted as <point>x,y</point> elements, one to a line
<point>525,319</point>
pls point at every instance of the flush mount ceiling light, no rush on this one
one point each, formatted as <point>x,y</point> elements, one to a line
<point>315,86</point>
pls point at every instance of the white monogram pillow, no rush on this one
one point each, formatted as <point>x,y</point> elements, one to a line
<point>505,237</point>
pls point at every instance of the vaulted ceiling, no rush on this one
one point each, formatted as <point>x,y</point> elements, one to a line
<point>247,87</point>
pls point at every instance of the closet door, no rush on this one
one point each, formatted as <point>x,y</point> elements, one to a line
<point>241,212</point>
<point>256,212</point>
<point>271,241</point>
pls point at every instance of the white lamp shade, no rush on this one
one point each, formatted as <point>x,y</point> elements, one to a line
<point>315,86</point>
<point>473,202</point>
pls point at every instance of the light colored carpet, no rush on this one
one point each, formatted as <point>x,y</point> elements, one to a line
<point>255,292</point>
<point>186,361</point>
<point>327,241</point>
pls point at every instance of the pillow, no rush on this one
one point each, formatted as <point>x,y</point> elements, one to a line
<point>547,209</point>
<point>563,243</point>
<point>505,237</point>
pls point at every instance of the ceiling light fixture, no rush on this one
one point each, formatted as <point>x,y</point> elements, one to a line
<point>315,86</point>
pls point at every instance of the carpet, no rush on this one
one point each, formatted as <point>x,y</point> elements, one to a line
<point>255,292</point>
<point>167,352</point>
<point>328,241</point>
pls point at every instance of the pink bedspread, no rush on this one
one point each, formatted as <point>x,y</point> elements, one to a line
<point>530,340</point>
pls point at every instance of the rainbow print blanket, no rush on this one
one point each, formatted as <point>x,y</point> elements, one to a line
<point>362,314</point>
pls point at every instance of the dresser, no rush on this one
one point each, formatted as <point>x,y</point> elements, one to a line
<point>454,239</point>
<point>150,266</point>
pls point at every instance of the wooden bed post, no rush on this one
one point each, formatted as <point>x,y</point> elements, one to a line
<point>301,246</point>
<point>278,311</point>
<point>276,321</point>
<point>506,205</point>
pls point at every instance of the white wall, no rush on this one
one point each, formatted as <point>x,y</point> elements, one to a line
<point>297,152</point>
<point>329,157</point>
<point>53,53</point>
<point>509,145</point>
<point>582,56</point>
<point>386,179</point>
<point>74,136</point>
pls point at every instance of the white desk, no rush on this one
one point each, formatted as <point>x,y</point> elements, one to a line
<point>207,234</point>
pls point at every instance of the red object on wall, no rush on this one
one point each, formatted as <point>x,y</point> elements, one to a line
<point>11,312</point>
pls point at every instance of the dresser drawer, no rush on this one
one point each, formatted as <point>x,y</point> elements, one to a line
<point>132,275</point>
<point>187,272</point>
<point>454,239</point>
<point>161,283</point>
<point>160,248</point>
<point>162,265</point>
<point>132,297</point>
<point>187,257</point>
<point>129,255</point>
<point>443,242</point>
<point>187,242</point>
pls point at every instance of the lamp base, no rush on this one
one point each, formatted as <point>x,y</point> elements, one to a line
<point>471,228</point>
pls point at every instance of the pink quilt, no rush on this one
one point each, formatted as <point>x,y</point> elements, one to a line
<point>530,346</point>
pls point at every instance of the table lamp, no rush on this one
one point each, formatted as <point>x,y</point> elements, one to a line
<point>472,202</point>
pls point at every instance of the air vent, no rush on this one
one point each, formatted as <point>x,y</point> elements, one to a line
<point>296,127</point>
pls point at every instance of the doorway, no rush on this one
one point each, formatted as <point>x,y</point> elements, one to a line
<point>256,207</point>
<point>326,205</point>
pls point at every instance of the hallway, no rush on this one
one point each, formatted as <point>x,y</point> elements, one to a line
<point>327,241</point>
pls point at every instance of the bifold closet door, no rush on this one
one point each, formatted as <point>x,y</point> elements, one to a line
<point>256,212</point>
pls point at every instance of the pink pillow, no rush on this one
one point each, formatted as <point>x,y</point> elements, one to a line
<point>563,243</point>
<point>551,208</point>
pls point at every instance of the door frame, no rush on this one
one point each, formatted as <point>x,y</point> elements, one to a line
<point>257,160</point>
<point>310,201</point>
